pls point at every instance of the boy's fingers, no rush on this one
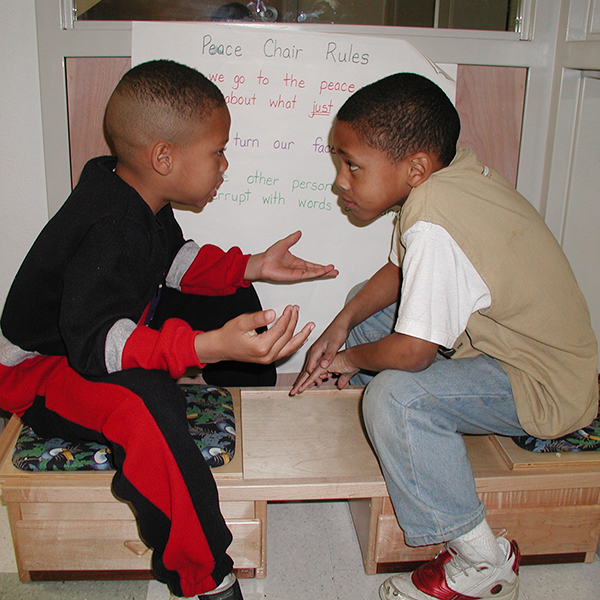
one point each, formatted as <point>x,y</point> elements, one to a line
<point>310,362</point>
<point>251,321</point>
<point>296,342</point>
<point>343,380</point>
<point>331,271</point>
<point>309,380</point>
<point>285,324</point>
<point>293,238</point>
<point>299,383</point>
<point>319,271</point>
<point>314,271</point>
<point>288,241</point>
<point>280,334</point>
<point>278,326</point>
<point>288,343</point>
<point>319,355</point>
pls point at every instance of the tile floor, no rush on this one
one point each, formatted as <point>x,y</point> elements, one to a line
<point>312,555</point>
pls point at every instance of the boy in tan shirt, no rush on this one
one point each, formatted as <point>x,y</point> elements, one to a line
<point>476,325</point>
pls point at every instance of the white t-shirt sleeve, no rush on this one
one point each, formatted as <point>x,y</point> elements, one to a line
<point>440,286</point>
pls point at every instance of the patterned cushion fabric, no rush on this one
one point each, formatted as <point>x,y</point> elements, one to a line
<point>211,423</point>
<point>587,438</point>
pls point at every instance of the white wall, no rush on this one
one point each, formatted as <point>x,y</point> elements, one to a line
<point>23,203</point>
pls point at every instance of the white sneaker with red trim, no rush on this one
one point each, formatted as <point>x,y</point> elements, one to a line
<point>458,573</point>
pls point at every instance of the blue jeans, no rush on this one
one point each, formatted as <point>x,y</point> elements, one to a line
<point>416,423</point>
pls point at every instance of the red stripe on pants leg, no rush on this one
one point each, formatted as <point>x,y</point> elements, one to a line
<point>20,384</point>
<point>111,409</point>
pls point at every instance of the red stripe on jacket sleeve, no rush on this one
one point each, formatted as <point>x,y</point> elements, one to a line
<point>215,272</point>
<point>170,349</point>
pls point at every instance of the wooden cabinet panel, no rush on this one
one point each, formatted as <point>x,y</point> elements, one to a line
<point>71,544</point>
<point>78,546</point>
<point>489,99</point>
<point>90,82</point>
<point>564,529</point>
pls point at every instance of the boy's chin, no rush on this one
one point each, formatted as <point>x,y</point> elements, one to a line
<point>193,205</point>
<point>362,217</point>
<point>365,215</point>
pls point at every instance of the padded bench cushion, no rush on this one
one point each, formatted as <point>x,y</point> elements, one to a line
<point>584,439</point>
<point>587,438</point>
<point>211,422</point>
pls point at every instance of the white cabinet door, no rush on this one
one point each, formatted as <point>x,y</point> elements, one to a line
<point>581,237</point>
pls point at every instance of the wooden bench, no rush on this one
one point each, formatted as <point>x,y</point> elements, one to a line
<point>310,447</point>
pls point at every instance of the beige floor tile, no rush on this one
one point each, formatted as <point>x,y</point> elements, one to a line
<point>7,555</point>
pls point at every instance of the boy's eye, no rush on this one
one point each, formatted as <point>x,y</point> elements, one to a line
<point>221,151</point>
<point>351,166</point>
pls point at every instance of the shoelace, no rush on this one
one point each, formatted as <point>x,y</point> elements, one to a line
<point>459,564</point>
<point>453,567</point>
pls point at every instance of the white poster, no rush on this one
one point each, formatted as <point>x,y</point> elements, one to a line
<point>283,88</point>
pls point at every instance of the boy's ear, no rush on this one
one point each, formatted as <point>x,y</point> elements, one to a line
<point>420,166</point>
<point>161,157</point>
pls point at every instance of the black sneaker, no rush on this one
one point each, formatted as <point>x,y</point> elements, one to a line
<point>229,589</point>
<point>232,592</point>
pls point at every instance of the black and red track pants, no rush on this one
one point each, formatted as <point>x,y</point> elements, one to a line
<point>141,415</point>
<point>159,469</point>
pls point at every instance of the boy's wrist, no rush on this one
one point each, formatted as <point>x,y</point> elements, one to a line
<point>348,357</point>
<point>208,347</point>
<point>253,267</point>
<point>344,321</point>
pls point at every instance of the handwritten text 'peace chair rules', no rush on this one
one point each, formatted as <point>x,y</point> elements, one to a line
<point>273,49</point>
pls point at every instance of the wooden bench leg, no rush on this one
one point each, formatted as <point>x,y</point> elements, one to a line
<point>365,513</point>
<point>260,509</point>
<point>14,516</point>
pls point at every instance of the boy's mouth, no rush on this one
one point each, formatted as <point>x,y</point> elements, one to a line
<point>213,194</point>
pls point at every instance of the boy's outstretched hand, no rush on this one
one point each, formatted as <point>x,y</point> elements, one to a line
<point>238,340</point>
<point>277,263</point>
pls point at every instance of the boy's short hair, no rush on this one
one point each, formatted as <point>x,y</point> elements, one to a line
<point>156,101</point>
<point>403,114</point>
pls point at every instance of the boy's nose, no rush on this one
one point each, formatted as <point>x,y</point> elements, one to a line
<point>339,183</point>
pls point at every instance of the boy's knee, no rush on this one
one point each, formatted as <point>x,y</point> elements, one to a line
<point>377,398</point>
<point>389,392</point>
<point>386,403</point>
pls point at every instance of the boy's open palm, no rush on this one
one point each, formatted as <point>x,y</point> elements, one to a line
<point>238,339</point>
<point>277,263</point>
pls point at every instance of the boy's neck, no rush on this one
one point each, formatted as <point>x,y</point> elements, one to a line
<point>149,193</point>
<point>436,165</point>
